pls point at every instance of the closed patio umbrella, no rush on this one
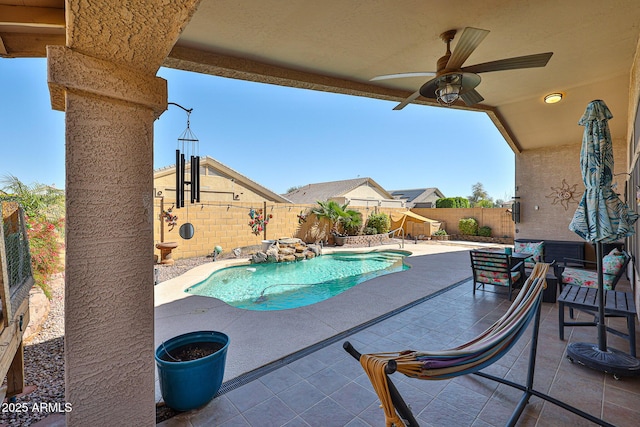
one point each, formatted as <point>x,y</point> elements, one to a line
<point>600,217</point>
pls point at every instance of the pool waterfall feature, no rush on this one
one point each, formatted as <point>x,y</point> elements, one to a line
<point>287,285</point>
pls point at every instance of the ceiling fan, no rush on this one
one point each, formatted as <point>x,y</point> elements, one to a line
<point>452,81</point>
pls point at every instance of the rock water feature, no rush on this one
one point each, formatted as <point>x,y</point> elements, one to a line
<point>286,250</point>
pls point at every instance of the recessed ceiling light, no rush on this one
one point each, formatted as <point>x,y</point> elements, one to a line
<point>552,98</point>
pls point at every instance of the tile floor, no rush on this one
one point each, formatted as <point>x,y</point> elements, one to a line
<point>328,388</point>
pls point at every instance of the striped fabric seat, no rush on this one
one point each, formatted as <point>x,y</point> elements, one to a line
<point>494,268</point>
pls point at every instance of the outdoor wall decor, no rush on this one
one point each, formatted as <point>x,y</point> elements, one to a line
<point>563,194</point>
<point>259,220</point>
<point>170,218</point>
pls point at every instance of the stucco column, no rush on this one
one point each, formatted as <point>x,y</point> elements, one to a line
<point>109,337</point>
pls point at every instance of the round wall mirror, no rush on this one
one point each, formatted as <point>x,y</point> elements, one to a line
<point>186,230</point>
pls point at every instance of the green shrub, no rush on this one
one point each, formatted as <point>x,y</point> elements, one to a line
<point>483,204</point>
<point>447,202</point>
<point>370,231</point>
<point>452,202</point>
<point>462,202</point>
<point>380,222</point>
<point>441,232</point>
<point>468,226</point>
<point>484,231</point>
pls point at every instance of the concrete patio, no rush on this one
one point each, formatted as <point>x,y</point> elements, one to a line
<point>291,370</point>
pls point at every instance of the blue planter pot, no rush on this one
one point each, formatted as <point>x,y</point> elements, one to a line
<point>191,384</point>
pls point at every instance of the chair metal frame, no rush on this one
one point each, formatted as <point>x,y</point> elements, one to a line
<point>408,418</point>
<point>495,262</point>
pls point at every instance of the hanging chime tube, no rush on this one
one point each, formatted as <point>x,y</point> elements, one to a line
<point>179,181</point>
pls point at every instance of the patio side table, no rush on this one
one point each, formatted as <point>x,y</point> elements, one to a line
<point>616,303</point>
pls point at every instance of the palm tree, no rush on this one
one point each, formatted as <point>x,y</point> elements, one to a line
<point>331,211</point>
<point>338,215</point>
<point>351,221</point>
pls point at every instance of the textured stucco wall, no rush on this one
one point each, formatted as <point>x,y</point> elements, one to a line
<point>109,292</point>
<point>104,79</point>
<point>537,173</point>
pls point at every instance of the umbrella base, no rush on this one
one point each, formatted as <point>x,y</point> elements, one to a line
<point>611,361</point>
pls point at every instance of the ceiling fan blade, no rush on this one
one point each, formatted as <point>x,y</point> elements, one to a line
<point>469,41</point>
<point>472,97</point>
<point>403,75</point>
<point>407,101</point>
<point>528,61</point>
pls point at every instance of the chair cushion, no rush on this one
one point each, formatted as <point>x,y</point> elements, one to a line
<point>613,262</point>
<point>536,249</point>
<point>611,265</point>
<point>496,278</point>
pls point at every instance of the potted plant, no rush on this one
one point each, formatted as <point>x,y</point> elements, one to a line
<point>191,368</point>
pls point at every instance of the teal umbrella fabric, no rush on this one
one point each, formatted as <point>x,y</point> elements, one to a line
<point>601,216</point>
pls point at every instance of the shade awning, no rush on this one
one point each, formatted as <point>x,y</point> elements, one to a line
<point>412,215</point>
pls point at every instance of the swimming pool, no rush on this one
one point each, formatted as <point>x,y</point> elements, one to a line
<point>281,286</point>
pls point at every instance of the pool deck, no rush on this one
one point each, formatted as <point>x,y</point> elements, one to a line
<point>310,381</point>
<point>260,337</point>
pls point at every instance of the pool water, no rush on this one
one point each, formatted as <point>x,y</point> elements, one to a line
<point>281,286</point>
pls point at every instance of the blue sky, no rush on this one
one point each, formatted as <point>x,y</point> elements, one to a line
<point>279,137</point>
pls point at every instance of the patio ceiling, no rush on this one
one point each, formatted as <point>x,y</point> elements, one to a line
<point>339,45</point>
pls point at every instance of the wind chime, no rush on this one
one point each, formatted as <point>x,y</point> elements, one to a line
<point>188,147</point>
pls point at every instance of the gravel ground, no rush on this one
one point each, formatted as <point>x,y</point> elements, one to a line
<point>44,356</point>
<point>43,368</point>
<point>179,267</point>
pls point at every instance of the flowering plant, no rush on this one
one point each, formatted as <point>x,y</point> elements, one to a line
<point>45,246</point>
<point>169,218</point>
<point>258,220</point>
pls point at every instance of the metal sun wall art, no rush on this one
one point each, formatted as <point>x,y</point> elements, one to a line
<point>564,195</point>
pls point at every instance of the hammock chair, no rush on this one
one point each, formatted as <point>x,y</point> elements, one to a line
<point>468,358</point>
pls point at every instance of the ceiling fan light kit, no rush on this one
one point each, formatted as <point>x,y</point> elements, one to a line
<point>452,81</point>
<point>552,98</point>
<point>449,88</point>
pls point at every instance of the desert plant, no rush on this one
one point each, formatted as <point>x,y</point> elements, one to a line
<point>468,226</point>
<point>329,210</point>
<point>380,222</point>
<point>484,231</point>
<point>338,215</point>
<point>351,222</point>
<point>441,232</point>
<point>370,231</point>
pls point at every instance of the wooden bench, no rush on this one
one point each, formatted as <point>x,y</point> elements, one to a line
<point>616,304</point>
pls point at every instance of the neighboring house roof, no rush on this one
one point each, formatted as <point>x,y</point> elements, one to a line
<point>226,171</point>
<point>418,195</point>
<point>312,193</point>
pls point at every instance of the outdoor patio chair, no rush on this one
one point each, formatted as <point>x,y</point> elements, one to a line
<point>614,265</point>
<point>579,292</point>
<point>494,268</point>
<point>468,358</point>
